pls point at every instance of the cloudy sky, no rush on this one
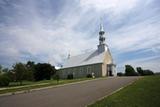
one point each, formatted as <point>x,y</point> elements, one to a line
<point>48,30</point>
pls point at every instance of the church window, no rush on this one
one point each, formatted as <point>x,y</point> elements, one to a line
<point>88,69</point>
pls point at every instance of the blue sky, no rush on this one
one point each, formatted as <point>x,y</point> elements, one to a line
<point>48,30</point>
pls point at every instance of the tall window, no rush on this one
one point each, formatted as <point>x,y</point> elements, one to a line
<point>89,70</point>
<point>81,70</point>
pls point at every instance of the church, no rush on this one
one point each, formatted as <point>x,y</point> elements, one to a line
<point>97,63</point>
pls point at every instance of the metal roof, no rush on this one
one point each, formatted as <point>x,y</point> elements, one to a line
<point>92,57</point>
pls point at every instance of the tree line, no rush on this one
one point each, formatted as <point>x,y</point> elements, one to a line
<point>130,71</point>
<point>29,71</point>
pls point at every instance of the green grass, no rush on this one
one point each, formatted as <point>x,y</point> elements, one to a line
<point>145,92</point>
<point>27,85</point>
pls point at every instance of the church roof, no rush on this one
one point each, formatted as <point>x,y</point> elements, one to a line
<point>92,57</point>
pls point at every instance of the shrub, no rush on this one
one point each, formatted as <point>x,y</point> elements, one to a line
<point>129,71</point>
<point>120,74</point>
<point>70,76</point>
<point>144,72</point>
<point>140,71</point>
<point>89,76</point>
<point>4,80</point>
<point>56,77</point>
<point>43,71</point>
<point>148,72</point>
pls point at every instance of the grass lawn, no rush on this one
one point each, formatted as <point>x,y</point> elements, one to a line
<point>27,85</point>
<point>143,93</point>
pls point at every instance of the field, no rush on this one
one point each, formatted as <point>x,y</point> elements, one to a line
<point>28,85</point>
<point>145,92</point>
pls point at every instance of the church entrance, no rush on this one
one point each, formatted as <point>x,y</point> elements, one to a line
<point>109,70</point>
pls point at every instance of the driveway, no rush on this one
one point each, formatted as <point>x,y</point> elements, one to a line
<point>73,95</point>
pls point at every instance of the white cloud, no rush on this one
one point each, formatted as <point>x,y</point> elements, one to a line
<point>115,6</point>
<point>51,37</point>
<point>142,35</point>
<point>54,38</point>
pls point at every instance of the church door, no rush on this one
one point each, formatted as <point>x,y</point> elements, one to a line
<point>109,70</point>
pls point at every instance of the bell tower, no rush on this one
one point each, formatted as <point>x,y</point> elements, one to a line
<point>102,45</point>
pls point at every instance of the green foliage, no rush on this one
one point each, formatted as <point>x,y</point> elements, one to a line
<point>19,70</point>
<point>28,75</point>
<point>144,72</point>
<point>140,70</point>
<point>29,71</point>
<point>10,75</point>
<point>30,64</point>
<point>56,77</point>
<point>5,70</point>
<point>129,71</point>
<point>4,80</point>
<point>0,69</point>
<point>43,71</point>
<point>148,72</point>
<point>89,76</point>
<point>120,74</point>
<point>5,76</point>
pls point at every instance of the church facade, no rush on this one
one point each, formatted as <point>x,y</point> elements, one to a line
<point>97,63</point>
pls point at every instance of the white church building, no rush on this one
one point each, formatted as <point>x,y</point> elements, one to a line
<point>98,63</point>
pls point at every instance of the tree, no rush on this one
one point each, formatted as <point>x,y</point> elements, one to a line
<point>4,80</point>
<point>10,75</point>
<point>147,72</point>
<point>57,78</point>
<point>129,71</point>
<point>19,70</point>
<point>140,71</point>
<point>144,72</point>
<point>5,70</point>
<point>0,69</point>
<point>30,65</point>
<point>43,71</point>
<point>30,70</point>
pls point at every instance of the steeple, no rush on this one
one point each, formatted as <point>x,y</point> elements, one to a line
<point>101,28</point>
<point>101,35</point>
<point>102,45</point>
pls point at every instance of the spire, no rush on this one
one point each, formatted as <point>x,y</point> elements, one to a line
<point>101,27</point>
<point>69,56</point>
<point>102,45</point>
<point>101,34</point>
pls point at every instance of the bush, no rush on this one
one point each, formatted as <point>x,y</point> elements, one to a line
<point>144,72</point>
<point>4,80</point>
<point>89,76</point>
<point>56,77</point>
<point>140,71</point>
<point>120,74</point>
<point>43,71</point>
<point>147,72</point>
<point>70,76</point>
<point>129,71</point>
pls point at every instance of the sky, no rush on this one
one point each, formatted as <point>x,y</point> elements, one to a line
<point>49,30</point>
